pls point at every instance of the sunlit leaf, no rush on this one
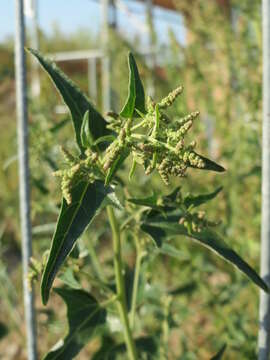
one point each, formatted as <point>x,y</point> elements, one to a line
<point>87,200</point>
<point>161,228</point>
<point>69,279</point>
<point>86,136</point>
<point>136,96</point>
<point>75,100</point>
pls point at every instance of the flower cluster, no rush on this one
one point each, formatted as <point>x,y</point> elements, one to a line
<point>78,169</point>
<point>156,142</point>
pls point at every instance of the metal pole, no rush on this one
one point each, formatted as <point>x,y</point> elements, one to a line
<point>264,331</point>
<point>22,131</point>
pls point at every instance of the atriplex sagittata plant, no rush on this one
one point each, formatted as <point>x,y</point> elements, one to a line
<point>143,131</point>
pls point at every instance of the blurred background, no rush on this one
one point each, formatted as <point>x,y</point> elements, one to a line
<point>213,49</point>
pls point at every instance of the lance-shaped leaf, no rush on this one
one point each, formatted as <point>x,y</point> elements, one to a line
<point>87,200</point>
<point>209,165</point>
<point>136,97</point>
<point>75,100</point>
<point>198,200</point>
<point>220,354</point>
<point>84,315</point>
<point>161,228</point>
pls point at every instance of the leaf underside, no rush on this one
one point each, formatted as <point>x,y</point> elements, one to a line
<point>73,219</point>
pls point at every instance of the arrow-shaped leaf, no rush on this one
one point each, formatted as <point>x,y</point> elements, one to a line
<point>75,100</point>
<point>136,97</point>
<point>198,200</point>
<point>161,228</point>
<point>209,164</point>
<point>84,315</point>
<point>87,200</point>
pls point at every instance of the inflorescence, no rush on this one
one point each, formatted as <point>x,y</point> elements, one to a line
<point>154,141</point>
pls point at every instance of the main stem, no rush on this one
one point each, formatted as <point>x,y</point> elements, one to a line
<point>139,256</point>
<point>120,285</point>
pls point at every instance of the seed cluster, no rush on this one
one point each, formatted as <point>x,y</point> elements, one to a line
<point>154,141</point>
<point>163,147</point>
<point>78,169</point>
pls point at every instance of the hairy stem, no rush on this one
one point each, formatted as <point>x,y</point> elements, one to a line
<point>120,285</point>
<point>139,257</point>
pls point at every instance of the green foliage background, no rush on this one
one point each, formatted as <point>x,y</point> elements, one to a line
<point>220,68</point>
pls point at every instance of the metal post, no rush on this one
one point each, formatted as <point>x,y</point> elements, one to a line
<point>92,79</point>
<point>22,131</point>
<point>264,331</point>
<point>106,86</point>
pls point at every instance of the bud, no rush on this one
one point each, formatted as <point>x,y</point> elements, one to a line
<point>170,99</point>
<point>70,159</point>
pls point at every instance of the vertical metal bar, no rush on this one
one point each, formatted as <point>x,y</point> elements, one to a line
<point>92,79</point>
<point>264,331</point>
<point>22,131</point>
<point>106,86</point>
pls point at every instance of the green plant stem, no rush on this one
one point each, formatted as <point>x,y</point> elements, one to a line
<point>120,285</point>
<point>139,257</point>
<point>154,141</point>
<point>137,126</point>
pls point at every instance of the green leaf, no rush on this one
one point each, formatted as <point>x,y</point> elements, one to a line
<point>84,315</point>
<point>116,165</point>
<point>158,203</point>
<point>171,251</point>
<point>69,279</point>
<point>87,200</point>
<point>220,354</point>
<point>149,201</point>
<point>136,97</point>
<point>86,136</point>
<point>160,229</point>
<point>75,100</point>
<point>3,330</point>
<point>198,200</point>
<point>209,165</point>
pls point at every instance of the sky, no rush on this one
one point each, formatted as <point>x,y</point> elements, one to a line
<point>71,17</point>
